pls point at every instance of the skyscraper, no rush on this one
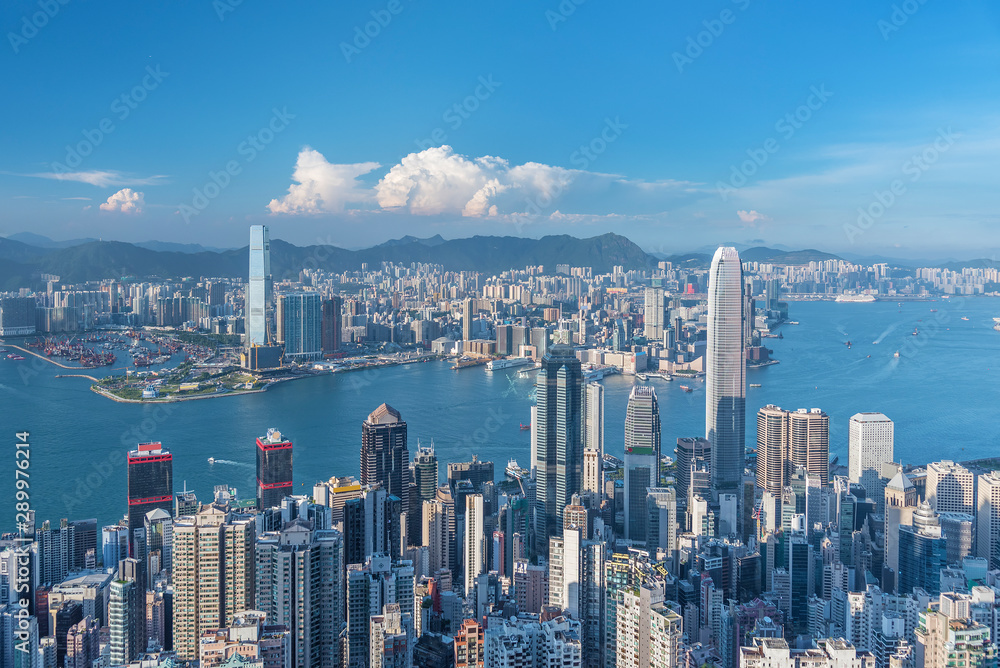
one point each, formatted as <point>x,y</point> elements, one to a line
<point>592,400</point>
<point>213,576</point>
<point>299,584</point>
<point>331,324</point>
<point>642,458</point>
<point>653,314</point>
<point>789,440</point>
<point>274,469</point>
<point>258,294</point>
<point>988,518</point>
<point>951,488</point>
<point>123,602</point>
<point>870,446</point>
<point>425,472</point>
<point>559,448</point>
<point>385,459</point>
<point>475,542</point>
<point>468,307</point>
<point>150,484</point>
<point>300,325</point>
<point>725,370</point>
<point>772,435</point>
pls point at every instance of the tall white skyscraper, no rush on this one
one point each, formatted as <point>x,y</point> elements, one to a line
<point>871,438</point>
<point>642,457</point>
<point>725,366</point>
<point>475,541</point>
<point>593,417</point>
<point>652,317</point>
<point>258,293</point>
<point>593,438</point>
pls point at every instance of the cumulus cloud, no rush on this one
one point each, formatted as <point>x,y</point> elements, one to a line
<point>323,187</point>
<point>101,178</point>
<point>439,181</point>
<point>751,217</point>
<point>125,200</point>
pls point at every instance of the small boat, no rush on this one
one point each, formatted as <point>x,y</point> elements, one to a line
<point>211,460</point>
<point>848,344</point>
<point>755,385</point>
<point>896,354</point>
<point>686,388</point>
<point>525,427</point>
<point>915,331</point>
<point>933,310</point>
<point>14,356</point>
<point>964,318</point>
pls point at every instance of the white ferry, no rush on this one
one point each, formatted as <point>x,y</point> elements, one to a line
<point>855,298</point>
<point>508,363</point>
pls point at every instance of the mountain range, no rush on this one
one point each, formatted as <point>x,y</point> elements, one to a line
<point>25,257</point>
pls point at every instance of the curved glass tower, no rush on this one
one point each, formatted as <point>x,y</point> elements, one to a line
<point>726,370</point>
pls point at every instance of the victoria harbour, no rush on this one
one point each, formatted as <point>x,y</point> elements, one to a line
<point>945,376</point>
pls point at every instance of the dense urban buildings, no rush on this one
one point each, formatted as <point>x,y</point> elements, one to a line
<point>708,555</point>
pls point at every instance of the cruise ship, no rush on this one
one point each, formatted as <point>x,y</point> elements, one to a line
<point>508,363</point>
<point>855,298</point>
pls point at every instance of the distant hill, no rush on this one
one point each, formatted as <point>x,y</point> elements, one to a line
<point>775,256</point>
<point>40,241</point>
<point>96,260</point>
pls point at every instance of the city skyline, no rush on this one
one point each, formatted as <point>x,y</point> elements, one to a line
<point>566,335</point>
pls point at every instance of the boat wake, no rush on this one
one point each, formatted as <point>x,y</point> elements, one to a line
<point>886,333</point>
<point>231,463</point>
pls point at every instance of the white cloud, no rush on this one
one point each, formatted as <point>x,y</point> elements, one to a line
<point>101,178</point>
<point>437,181</point>
<point>125,200</point>
<point>322,187</point>
<point>751,217</point>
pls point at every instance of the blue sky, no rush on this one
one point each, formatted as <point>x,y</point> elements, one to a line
<point>864,127</point>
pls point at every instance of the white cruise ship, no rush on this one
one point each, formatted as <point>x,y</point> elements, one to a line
<point>855,298</point>
<point>508,363</point>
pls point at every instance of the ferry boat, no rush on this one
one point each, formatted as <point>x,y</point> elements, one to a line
<point>755,385</point>
<point>686,388</point>
<point>14,356</point>
<point>525,427</point>
<point>508,363</point>
<point>964,318</point>
<point>516,472</point>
